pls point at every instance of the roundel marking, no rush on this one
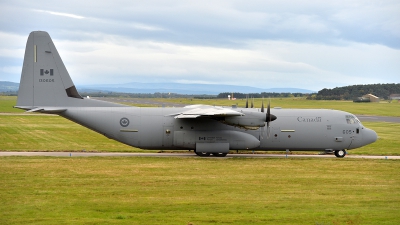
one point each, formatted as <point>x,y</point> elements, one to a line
<point>124,122</point>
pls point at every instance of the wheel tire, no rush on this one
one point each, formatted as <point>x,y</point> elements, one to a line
<point>202,154</point>
<point>340,153</point>
<point>219,154</point>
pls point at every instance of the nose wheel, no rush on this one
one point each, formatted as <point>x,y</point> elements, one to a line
<point>340,153</point>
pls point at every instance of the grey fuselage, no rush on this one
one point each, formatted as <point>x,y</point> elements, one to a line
<point>295,129</point>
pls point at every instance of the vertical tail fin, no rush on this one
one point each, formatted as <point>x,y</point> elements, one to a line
<point>45,81</point>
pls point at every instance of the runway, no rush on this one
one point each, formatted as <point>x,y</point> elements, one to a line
<point>189,155</point>
<point>390,119</point>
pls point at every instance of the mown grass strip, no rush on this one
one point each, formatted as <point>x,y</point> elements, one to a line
<point>136,190</point>
<point>388,142</point>
<point>7,104</point>
<point>52,133</point>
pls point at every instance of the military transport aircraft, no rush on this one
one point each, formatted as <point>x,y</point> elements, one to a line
<point>46,87</point>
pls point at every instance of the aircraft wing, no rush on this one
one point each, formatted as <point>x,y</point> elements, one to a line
<point>195,111</point>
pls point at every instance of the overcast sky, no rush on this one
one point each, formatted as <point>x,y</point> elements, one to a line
<point>267,44</point>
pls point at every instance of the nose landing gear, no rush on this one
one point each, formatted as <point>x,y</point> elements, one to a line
<point>340,153</point>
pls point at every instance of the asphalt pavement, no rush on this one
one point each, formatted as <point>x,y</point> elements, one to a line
<point>187,154</point>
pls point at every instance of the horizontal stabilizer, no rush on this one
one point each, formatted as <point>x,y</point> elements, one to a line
<point>47,110</point>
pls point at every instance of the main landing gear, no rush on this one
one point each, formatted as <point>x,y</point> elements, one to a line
<point>206,154</point>
<point>219,154</point>
<point>340,153</point>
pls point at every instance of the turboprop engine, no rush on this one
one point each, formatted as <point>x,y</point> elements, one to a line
<point>252,120</point>
<point>249,121</point>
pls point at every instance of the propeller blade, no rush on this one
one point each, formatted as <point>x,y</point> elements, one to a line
<point>252,102</point>
<point>247,101</point>
<point>267,115</point>
<point>262,105</point>
<point>269,118</point>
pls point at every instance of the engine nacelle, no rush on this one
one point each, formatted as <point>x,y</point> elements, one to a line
<point>250,121</point>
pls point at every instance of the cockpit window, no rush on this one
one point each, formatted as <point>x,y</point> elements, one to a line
<point>352,119</point>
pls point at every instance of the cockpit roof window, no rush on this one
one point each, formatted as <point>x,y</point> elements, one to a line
<point>350,119</point>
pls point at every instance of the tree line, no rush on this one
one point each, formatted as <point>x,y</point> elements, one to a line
<point>339,93</point>
<point>354,91</point>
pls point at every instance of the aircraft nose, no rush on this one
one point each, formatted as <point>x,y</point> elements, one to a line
<point>369,136</point>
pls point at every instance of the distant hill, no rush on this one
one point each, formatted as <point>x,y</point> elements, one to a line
<point>6,86</point>
<point>351,92</point>
<point>210,89</point>
<point>191,89</point>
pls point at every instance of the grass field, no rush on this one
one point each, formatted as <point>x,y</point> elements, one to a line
<point>52,133</point>
<point>140,190</point>
<point>7,103</point>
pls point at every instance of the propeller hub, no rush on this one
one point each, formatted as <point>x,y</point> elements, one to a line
<point>271,117</point>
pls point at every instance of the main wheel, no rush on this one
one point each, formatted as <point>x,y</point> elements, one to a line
<point>219,154</point>
<point>202,154</point>
<point>340,153</point>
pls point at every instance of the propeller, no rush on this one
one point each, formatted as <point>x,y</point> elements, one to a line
<point>268,116</point>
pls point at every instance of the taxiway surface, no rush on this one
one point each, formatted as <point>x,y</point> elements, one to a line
<point>111,154</point>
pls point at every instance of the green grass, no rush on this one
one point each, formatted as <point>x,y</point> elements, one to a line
<point>52,133</point>
<point>388,142</point>
<point>140,190</point>
<point>7,104</point>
